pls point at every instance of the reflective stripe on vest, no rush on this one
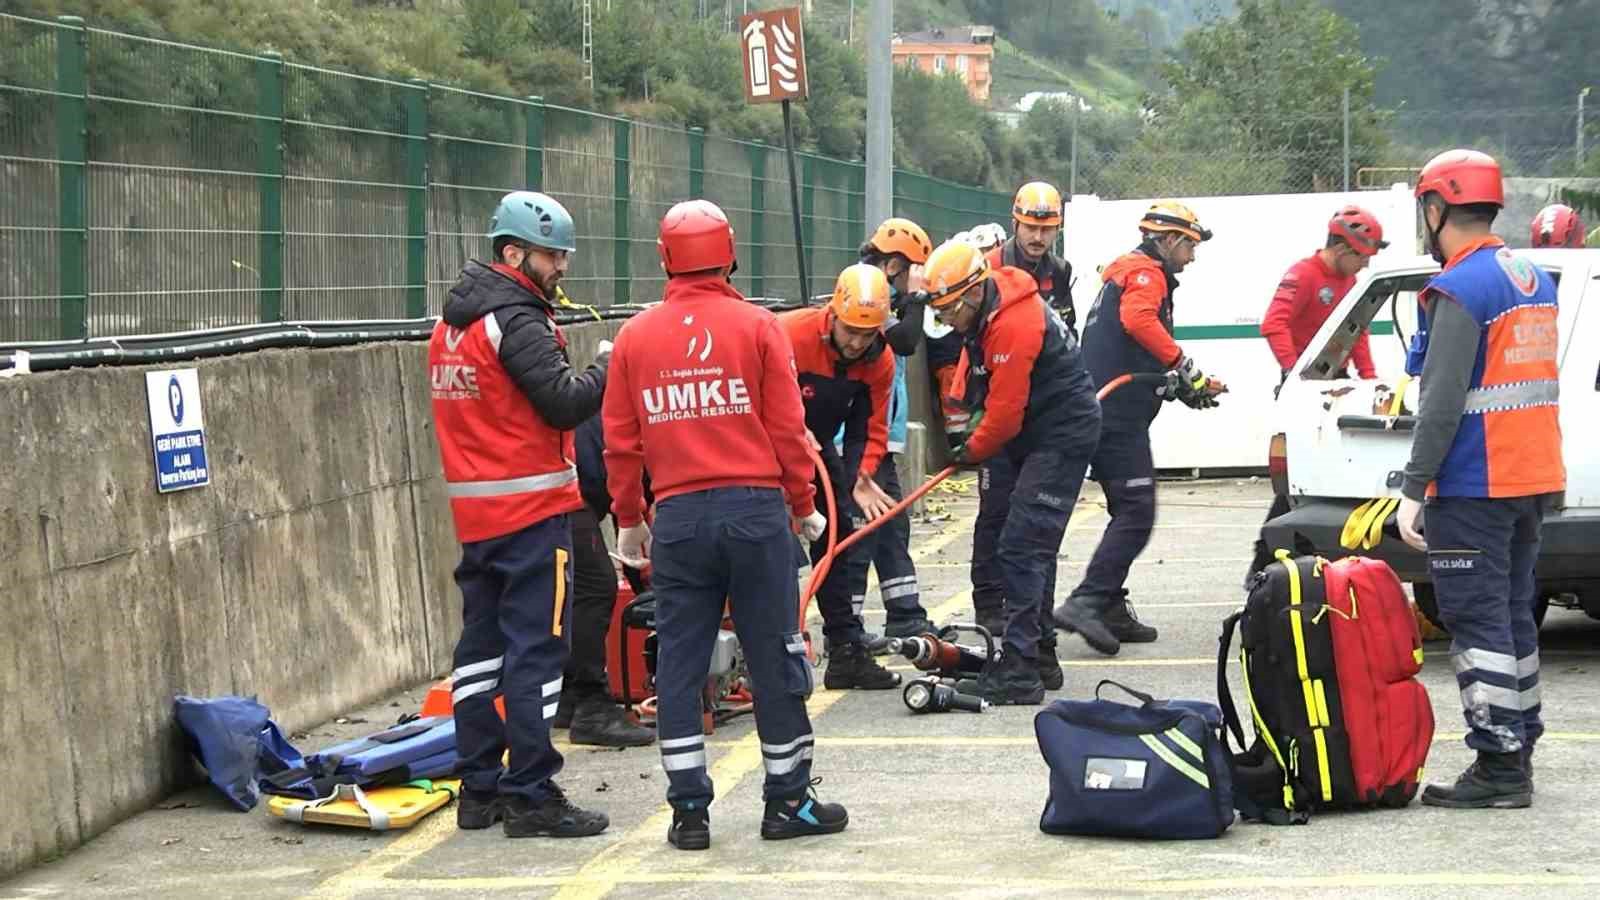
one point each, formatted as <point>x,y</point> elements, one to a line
<point>1517,395</point>
<point>525,485</point>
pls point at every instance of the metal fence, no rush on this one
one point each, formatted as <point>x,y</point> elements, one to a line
<point>152,186</point>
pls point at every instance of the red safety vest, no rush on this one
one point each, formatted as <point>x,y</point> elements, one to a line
<point>505,467</point>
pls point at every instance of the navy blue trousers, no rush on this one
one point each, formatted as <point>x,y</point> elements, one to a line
<point>1126,470</point>
<point>1040,504</point>
<point>733,546</point>
<point>888,550</point>
<point>514,599</point>
<point>997,482</point>
<point>1481,554</point>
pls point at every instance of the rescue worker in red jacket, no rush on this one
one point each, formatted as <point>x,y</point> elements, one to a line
<point>846,374</point>
<point>703,395</point>
<point>1485,466</point>
<point>505,401</point>
<point>1036,212</point>
<point>1129,330</point>
<point>1305,298</point>
<point>1023,375</point>
<point>1557,225</point>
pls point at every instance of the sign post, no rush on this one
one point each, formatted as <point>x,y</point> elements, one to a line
<point>774,50</point>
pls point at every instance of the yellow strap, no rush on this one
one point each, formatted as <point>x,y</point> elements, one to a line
<point>1363,530</point>
<point>1175,761</point>
<point>564,301</point>
<point>1399,395</point>
<point>561,591</point>
<point>1297,629</point>
<point>1322,703</point>
<point>1350,537</point>
<point>1322,765</point>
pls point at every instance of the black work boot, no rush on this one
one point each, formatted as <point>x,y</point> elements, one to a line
<point>876,644</point>
<point>691,829</point>
<point>850,666</point>
<point>1013,680</point>
<point>1084,614</point>
<point>1527,764</point>
<point>1123,623</point>
<point>564,709</point>
<point>555,817</point>
<point>907,628</point>
<point>992,621</point>
<point>477,809</point>
<point>1050,674</point>
<point>1495,781</point>
<point>601,723</point>
<point>792,817</point>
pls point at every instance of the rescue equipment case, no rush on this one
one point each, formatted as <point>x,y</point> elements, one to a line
<point>1330,652</point>
<point>1156,770</point>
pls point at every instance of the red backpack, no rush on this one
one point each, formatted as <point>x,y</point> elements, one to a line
<point>1330,653</point>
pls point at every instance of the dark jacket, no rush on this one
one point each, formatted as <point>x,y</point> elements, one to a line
<point>1051,273</point>
<point>591,449</point>
<point>1129,330</point>
<point>532,349</point>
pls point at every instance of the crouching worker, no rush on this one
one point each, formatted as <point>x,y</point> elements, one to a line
<point>1023,375</point>
<point>703,395</point>
<point>505,401</point>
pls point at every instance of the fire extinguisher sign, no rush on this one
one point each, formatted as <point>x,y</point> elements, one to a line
<point>774,50</point>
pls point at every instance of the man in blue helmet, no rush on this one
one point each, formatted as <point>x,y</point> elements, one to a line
<point>505,403</point>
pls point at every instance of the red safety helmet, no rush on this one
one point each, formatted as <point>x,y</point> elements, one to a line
<point>1557,225</point>
<point>1461,177</point>
<point>1358,228</point>
<point>695,236</point>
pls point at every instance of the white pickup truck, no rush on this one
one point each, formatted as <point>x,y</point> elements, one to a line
<point>1345,441</point>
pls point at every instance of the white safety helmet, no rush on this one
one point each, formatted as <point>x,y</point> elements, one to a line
<point>988,235</point>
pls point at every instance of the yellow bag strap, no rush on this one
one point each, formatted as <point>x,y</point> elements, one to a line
<point>1363,530</point>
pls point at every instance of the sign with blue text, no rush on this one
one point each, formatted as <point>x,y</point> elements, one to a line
<point>177,429</point>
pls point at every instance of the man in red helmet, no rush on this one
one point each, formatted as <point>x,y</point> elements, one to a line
<point>1305,298</point>
<point>703,394</point>
<point>1557,225</point>
<point>1485,465</point>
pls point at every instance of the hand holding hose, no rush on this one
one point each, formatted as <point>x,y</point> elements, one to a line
<point>814,526</point>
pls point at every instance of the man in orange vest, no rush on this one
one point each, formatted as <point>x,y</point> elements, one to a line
<point>1485,466</point>
<point>505,401</point>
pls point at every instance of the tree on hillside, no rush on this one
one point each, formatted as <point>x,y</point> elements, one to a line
<point>1268,84</point>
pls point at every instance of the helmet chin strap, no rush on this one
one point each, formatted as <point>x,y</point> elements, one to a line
<point>1435,249</point>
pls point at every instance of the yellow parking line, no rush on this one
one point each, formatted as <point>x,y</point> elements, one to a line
<point>950,883</point>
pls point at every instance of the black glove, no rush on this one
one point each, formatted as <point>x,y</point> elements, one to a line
<point>1188,384</point>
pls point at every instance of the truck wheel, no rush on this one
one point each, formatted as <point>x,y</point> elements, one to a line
<point>1429,604</point>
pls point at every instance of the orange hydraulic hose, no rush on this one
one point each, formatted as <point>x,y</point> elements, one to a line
<point>836,547</point>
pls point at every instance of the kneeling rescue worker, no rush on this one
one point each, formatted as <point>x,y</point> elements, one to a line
<point>505,401</point>
<point>703,395</point>
<point>1023,374</point>
<point>846,374</point>
<point>1129,330</point>
<point>1485,466</point>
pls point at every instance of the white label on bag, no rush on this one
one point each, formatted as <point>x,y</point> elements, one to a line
<point>1105,774</point>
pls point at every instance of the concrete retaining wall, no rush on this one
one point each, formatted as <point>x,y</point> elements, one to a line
<point>313,572</point>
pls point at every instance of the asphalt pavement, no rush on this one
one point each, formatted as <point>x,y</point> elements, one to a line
<point>940,805</point>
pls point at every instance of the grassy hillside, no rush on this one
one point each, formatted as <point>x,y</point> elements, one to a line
<point>1017,72</point>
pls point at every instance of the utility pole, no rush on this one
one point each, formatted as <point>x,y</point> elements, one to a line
<point>1347,139</point>
<point>1581,94</point>
<point>588,42</point>
<point>880,123</point>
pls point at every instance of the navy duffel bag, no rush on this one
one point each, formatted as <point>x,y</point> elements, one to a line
<point>1156,770</point>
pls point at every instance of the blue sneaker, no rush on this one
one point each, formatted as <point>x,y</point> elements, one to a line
<point>790,817</point>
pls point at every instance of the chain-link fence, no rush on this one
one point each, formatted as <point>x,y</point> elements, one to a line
<point>1195,153</point>
<point>152,186</point>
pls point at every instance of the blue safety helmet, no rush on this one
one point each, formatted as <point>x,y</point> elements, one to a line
<point>536,218</point>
